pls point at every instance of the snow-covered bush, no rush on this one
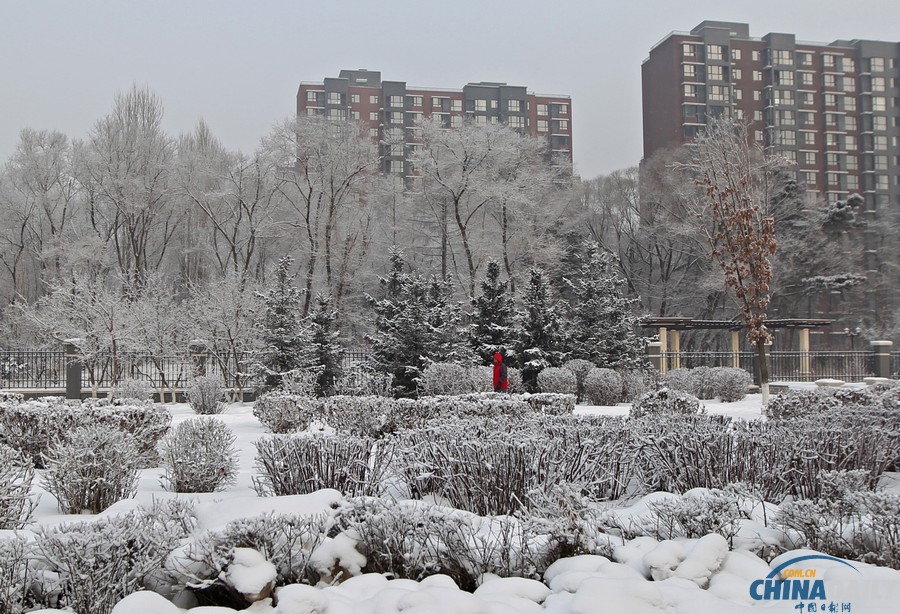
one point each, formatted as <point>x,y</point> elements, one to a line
<point>888,395</point>
<point>300,382</point>
<point>580,368</point>
<point>199,456</point>
<point>551,403</point>
<point>362,381</point>
<point>282,412</point>
<point>731,384</point>
<point>11,397</point>
<point>794,403</point>
<point>665,401</point>
<point>132,390</point>
<point>603,387</point>
<point>287,541</point>
<point>678,379</point>
<point>15,575</point>
<point>100,562</point>
<point>636,383</point>
<point>366,416</point>
<point>703,382</point>
<point>558,380</point>
<point>301,464</point>
<point>16,476</point>
<point>206,395</point>
<point>30,427</point>
<point>92,468</point>
<point>146,423</point>
<point>444,378</point>
<point>481,379</point>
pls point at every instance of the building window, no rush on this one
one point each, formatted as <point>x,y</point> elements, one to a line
<point>542,125</point>
<point>312,96</point>
<point>785,137</point>
<point>373,99</point>
<point>738,113</point>
<point>808,138</point>
<point>334,97</point>
<point>809,177</point>
<point>718,93</point>
<point>831,159</point>
<point>758,134</point>
<point>736,73</point>
<point>782,57</point>
<point>494,104</point>
<point>336,114</point>
<point>481,120</point>
<point>849,65</point>
<point>784,117</point>
<point>397,150</point>
<point>516,121</point>
<point>831,120</point>
<point>878,84</point>
<point>396,117</point>
<point>807,99</point>
<point>735,54</point>
<point>354,98</point>
<point>850,142</point>
<point>852,182</point>
<point>829,80</point>
<point>542,109</point>
<point>414,101</point>
<point>311,112</point>
<point>849,123</point>
<point>495,119</point>
<point>806,78</point>
<point>807,118</point>
<point>456,121</point>
<point>373,132</point>
<point>354,115</point>
<point>876,64</point>
<point>714,52</point>
<point>881,163</point>
<point>784,77</point>
<point>880,143</point>
<point>783,97</point>
<point>416,118</point>
<point>396,167</point>
<point>715,73</point>
<point>757,95</point>
<point>804,58</point>
<point>849,103</point>
<point>849,84</point>
<point>832,179</point>
<point>456,105</point>
<point>879,103</point>
<point>481,105</point>
<point>436,102</point>
<point>561,125</point>
<point>396,101</point>
<point>757,75</point>
<point>879,123</point>
<point>809,158</point>
<point>513,105</point>
<point>851,163</point>
<point>687,49</point>
<point>562,109</point>
<point>689,71</point>
<point>738,94</point>
<point>830,100</point>
<point>373,116</point>
<point>755,57</point>
<point>828,60</point>
<point>757,116</point>
<point>881,182</point>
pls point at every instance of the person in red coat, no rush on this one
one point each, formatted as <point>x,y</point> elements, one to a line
<point>501,383</point>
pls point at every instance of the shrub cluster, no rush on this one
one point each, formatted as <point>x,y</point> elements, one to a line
<point>558,380</point>
<point>705,383</point>
<point>795,403</point>
<point>445,378</point>
<point>604,387</point>
<point>283,412</point>
<point>199,456</point>
<point>206,395</point>
<point>132,390</point>
<point>16,476</point>
<point>665,401</point>
<point>580,368</point>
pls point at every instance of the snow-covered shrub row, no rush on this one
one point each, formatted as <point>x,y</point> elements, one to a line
<point>370,416</point>
<point>705,383</point>
<point>89,566</point>
<point>604,387</point>
<point>132,390</point>
<point>361,381</point>
<point>445,378</point>
<point>16,476</point>
<point>301,464</point>
<point>206,395</point>
<point>665,401</point>
<point>11,397</point>
<point>416,539</point>
<point>92,468</point>
<point>33,426</point>
<point>580,368</point>
<point>558,380</point>
<point>805,402</point>
<point>15,575</point>
<point>199,456</point>
<point>286,541</point>
<point>848,520</point>
<point>283,412</point>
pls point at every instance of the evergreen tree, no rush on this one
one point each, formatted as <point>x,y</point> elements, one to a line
<point>540,339</point>
<point>326,352</point>
<point>283,333</point>
<point>491,327</point>
<point>416,322</point>
<point>602,322</point>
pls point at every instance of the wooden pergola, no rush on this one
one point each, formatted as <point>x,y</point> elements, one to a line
<point>669,329</point>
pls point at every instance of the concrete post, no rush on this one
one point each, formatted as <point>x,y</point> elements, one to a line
<point>73,370</point>
<point>882,351</point>
<point>736,349</point>
<point>663,349</point>
<point>675,337</point>
<point>805,368</point>
<point>653,355</point>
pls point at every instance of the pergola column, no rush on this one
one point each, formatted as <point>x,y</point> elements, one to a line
<point>663,349</point>
<point>805,369</point>
<point>675,339</point>
<point>736,349</point>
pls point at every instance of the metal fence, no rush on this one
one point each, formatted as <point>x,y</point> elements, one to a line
<point>850,366</point>
<point>32,369</point>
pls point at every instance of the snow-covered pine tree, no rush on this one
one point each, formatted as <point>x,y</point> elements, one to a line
<point>491,328</point>
<point>285,338</point>
<point>416,322</point>
<point>327,353</point>
<point>602,328</point>
<point>540,336</point>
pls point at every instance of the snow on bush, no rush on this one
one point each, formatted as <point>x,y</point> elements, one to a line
<point>666,401</point>
<point>362,381</point>
<point>30,427</point>
<point>146,423</point>
<point>795,403</point>
<point>363,416</point>
<point>558,380</point>
<point>16,476</point>
<point>603,387</point>
<point>580,368</point>
<point>101,561</point>
<point>636,383</point>
<point>444,378</point>
<point>703,382</point>
<point>282,412</point>
<point>551,403</point>
<point>199,456</point>
<point>206,395</point>
<point>731,384</point>
<point>15,575</point>
<point>91,468</point>
<point>678,379</point>
<point>301,464</point>
<point>132,390</point>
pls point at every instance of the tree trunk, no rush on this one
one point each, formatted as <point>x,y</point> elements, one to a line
<point>763,372</point>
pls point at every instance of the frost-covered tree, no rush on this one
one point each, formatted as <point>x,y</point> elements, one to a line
<point>284,335</point>
<point>601,321</point>
<point>491,328</point>
<point>540,336</point>
<point>325,351</point>
<point>417,322</point>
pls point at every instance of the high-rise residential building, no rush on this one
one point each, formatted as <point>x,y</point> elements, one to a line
<point>832,108</point>
<point>392,110</point>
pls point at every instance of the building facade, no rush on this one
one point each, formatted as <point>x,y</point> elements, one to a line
<point>392,111</point>
<point>832,109</point>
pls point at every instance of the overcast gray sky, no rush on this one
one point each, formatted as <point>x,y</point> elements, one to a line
<point>238,63</point>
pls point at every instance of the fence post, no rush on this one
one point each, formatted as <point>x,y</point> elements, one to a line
<point>882,351</point>
<point>653,353</point>
<point>663,349</point>
<point>73,370</point>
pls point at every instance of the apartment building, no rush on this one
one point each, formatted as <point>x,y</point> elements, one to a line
<point>832,108</point>
<point>392,110</point>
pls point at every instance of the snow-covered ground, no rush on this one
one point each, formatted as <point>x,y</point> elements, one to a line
<point>690,576</point>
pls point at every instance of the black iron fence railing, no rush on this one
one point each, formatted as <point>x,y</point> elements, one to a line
<point>32,369</point>
<point>850,366</point>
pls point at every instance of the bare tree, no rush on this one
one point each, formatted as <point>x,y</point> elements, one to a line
<point>738,181</point>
